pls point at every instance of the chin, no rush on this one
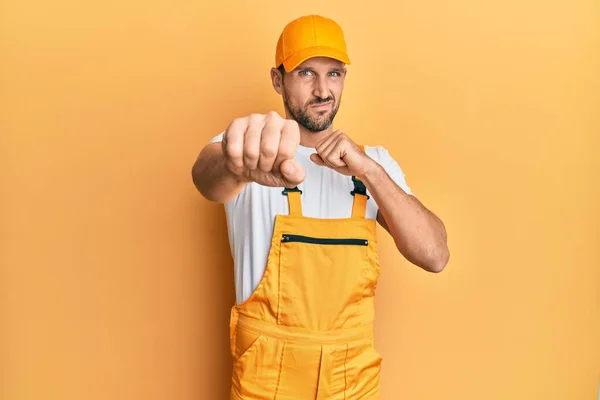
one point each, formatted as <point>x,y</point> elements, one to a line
<point>322,116</point>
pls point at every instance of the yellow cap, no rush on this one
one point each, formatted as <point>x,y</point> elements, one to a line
<point>310,36</point>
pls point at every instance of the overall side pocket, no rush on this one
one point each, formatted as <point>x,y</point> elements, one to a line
<point>255,366</point>
<point>363,368</point>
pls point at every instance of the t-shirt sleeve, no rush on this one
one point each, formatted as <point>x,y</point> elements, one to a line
<point>217,138</point>
<point>390,165</point>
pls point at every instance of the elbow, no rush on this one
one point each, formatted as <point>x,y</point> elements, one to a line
<point>439,260</point>
<point>430,260</point>
<point>433,260</point>
<point>208,188</point>
<point>439,254</point>
<point>439,263</point>
<point>197,173</point>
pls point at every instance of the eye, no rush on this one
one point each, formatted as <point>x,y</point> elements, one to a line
<point>305,72</point>
<point>335,73</point>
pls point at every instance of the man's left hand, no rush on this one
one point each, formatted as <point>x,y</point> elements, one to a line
<point>340,153</point>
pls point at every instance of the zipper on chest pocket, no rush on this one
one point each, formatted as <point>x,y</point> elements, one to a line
<point>307,239</point>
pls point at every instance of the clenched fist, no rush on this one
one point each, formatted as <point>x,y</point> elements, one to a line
<point>338,152</point>
<point>261,147</point>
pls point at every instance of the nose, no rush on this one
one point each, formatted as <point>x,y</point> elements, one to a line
<point>321,88</point>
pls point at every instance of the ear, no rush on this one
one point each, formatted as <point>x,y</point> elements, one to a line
<point>277,80</point>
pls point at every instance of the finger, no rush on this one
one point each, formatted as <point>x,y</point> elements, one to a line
<point>317,160</point>
<point>269,144</point>
<point>233,142</point>
<point>288,143</point>
<point>339,152</point>
<point>334,161</point>
<point>292,173</point>
<point>344,170</point>
<point>327,142</point>
<point>349,154</point>
<point>331,155</point>
<point>252,141</point>
<point>326,146</point>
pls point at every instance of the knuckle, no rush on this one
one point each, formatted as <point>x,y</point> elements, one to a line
<point>237,123</point>
<point>232,147</point>
<point>255,117</point>
<point>265,166</point>
<point>229,150</point>
<point>272,115</point>
<point>249,164</point>
<point>234,123</point>
<point>233,154</point>
<point>291,124</point>
<point>286,151</point>
<point>291,138</point>
<point>251,154</point>
<point>268,151</point>
<point>230,131</point>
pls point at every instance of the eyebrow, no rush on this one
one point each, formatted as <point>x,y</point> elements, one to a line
<point>335,69</point>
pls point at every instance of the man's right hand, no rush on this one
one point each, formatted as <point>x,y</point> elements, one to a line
<point>261,147</point>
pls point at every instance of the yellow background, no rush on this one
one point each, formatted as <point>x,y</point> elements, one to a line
<point>116,276</point>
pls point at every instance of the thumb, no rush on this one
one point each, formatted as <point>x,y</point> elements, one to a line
<point>292,172</point>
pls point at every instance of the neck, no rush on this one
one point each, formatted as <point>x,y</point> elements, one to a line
<point>311,139</point>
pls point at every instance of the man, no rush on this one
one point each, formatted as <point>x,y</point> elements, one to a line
<point>302,201</point>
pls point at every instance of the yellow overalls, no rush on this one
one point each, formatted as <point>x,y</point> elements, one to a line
<point>306,332</point>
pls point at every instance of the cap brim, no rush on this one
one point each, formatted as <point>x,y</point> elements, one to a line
<point>298,58</point>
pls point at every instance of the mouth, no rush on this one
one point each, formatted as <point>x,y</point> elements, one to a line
<point>321,106</point>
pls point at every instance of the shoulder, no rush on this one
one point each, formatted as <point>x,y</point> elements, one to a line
<point>382,156</point>
<point>378,153</point>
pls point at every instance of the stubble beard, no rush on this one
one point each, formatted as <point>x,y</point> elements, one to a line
<point>301,116</point>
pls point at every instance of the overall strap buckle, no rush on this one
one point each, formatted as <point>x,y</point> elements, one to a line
<point>294,200</point>
<point>293,190</point>
<point>359,188</point>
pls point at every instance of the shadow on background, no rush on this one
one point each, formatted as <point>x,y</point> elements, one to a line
<point>215,280</point>
<point>217,296</point>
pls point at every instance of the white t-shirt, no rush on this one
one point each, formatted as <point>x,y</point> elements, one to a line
<point>325,194</point>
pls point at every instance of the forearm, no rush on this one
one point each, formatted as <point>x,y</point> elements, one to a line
<point>418,233</point>
<point>212,178</point>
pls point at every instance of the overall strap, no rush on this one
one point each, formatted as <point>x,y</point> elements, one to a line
<point>359,205</point>
<point>294,200</point>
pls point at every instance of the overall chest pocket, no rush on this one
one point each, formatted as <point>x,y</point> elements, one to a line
<point>321,279</point>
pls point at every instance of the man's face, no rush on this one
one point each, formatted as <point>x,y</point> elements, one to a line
<point>312,92</point>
